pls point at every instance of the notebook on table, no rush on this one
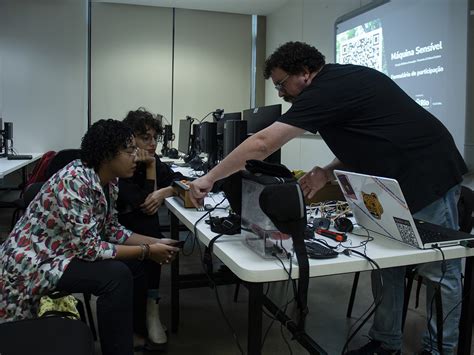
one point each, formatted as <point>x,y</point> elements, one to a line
<point>379,206</point>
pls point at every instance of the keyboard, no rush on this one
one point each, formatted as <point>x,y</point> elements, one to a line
<point>428,236</point>
<point>318,251</point>
<point>19,156</point>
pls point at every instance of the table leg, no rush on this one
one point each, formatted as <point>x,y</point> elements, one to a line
<point>465,324</point>
<point>254,341</point>
<point>174,231</point>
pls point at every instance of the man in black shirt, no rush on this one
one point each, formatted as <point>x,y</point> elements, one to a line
<point>372,127</point>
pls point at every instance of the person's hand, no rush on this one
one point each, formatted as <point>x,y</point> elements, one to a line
<point>153,201</point>
<point>144,157</point>
<point>162,253</point>
<point>199,189</point>
<point>313,181</point>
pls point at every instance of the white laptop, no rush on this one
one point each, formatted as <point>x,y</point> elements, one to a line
<point>379,206</point>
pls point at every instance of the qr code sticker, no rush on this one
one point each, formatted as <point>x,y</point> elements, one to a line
<point>365,49</point>
<point>406,231</point>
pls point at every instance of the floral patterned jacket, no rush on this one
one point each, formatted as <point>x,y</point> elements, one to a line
<point>69,218</point>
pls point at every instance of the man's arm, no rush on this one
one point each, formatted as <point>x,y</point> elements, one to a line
<point>259,146</point>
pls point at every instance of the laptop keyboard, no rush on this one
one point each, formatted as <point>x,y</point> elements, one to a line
<point>429,236</point>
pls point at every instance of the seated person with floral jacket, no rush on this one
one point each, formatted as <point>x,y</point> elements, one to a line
<point>69,240</point>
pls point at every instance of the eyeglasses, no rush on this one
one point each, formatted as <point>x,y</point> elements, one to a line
<point>148,138</point>
<point>279,85</point>
<point>131,151</point>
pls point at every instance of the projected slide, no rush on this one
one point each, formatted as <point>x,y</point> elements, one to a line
<point>421,45</point>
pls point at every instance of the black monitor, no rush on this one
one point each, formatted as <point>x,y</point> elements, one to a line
<point>259,118</point>
<point>234,116</point>
<point>184,140</point>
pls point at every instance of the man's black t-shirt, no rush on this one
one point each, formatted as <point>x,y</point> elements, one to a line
<point>373,127</point>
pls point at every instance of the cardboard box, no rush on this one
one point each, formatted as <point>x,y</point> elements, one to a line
<point>182,191</point>
<point>330,192</point>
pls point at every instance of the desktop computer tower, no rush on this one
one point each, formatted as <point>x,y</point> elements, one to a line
<point>235,133</point>
<point>208,137</point>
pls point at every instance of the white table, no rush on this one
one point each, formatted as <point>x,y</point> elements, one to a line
<point>10,166</point>
<point>255,271</point>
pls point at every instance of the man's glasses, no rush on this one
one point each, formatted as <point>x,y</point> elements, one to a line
<point>279,85</point>
<point>131,151</point>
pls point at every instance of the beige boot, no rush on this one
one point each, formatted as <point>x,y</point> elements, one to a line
<point>156,330</point>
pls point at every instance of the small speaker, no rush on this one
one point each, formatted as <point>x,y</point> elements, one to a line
<point>235,133</point>
<point>8,130</point>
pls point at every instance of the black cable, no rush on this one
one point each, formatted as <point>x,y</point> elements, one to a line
<point>377,302</point>
<point>443,271</point>
<point>290,281</point>
<point>212,281</point>
<point>189,253</point>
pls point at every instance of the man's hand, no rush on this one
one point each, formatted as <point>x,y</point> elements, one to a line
<point>144,157</point>
<point>153,201</point>
<point>313,181</point>
<point>199,189</point>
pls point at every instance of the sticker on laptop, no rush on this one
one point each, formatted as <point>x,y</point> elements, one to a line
<point>406,231</point>
<point>373,205</point>
<point>346,186</point>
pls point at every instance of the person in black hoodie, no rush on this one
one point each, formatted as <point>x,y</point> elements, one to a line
<point>139,198</point>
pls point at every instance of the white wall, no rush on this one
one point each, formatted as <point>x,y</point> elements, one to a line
<point>132,57</point>
<point>43,72</point>
<point>130,60</point>
<point>212,62</point>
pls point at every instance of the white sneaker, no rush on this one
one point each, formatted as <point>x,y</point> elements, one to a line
<point>156,330</point>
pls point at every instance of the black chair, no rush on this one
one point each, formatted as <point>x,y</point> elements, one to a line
<point>46,336</point>
<point>466,222</point>
<point>61,159</point>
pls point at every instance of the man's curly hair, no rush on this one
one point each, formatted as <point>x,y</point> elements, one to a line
<point>141,120</point>
<point>293,58</point>
<point>103,141</point>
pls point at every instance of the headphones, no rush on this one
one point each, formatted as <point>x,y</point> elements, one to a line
<point>343,224</point>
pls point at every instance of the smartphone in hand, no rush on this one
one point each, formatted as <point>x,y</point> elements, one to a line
<point>178,244</point>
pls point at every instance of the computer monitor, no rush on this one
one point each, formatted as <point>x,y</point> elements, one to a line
<point>259,118</point>
<point>233,116</point>
<point>184,140</point>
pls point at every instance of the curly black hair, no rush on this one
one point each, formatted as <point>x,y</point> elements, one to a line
<point>293,58</point>
<point>141,120</point>
<point>103,141</point>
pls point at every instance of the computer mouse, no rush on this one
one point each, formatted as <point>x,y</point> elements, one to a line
<point>343,224</point>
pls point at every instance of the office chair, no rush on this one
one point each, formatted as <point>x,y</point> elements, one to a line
<point>61,159</point>
<point>466,223</point>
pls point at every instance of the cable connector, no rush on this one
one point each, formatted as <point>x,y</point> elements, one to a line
<point>467,243</point>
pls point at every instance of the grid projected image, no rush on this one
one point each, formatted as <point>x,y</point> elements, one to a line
<point>362,45</point>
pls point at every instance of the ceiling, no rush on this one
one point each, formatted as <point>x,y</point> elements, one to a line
<point>250,7</point>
